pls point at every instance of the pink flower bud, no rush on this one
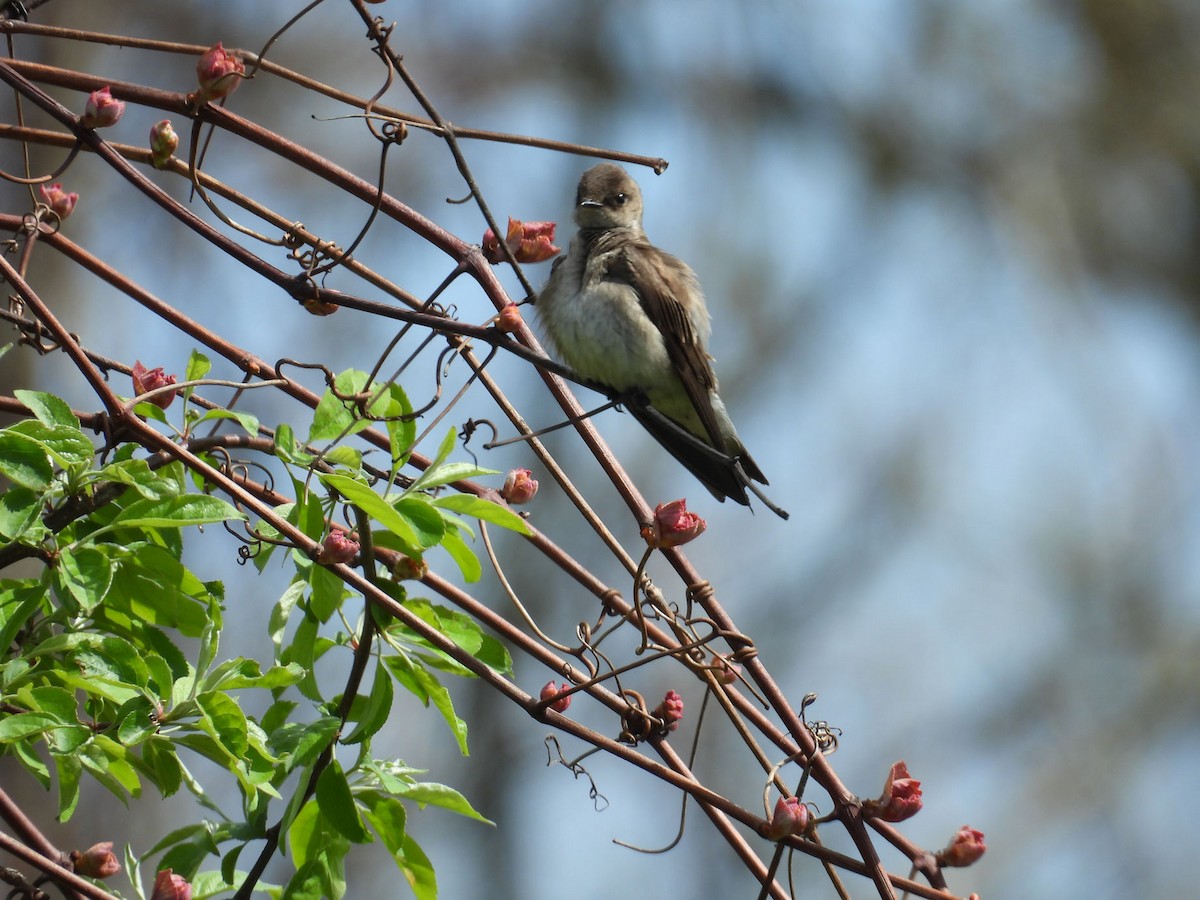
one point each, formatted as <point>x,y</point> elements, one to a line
<point>519,487</point>
<point>964,848</point>
<point>550,690</point>
<point>670,710</point>
<point>61,203</point>
<point>169,886</point>
<point>218,72</point>
<point>409,569</point>
<point>510,319</point>
<point>673,525</point>
<point>338,547</point>
<point>726,672</point>
<point>145,380</point>
<point>163,142</point>
<point>98,861</point>
<point>530,242</point>
<point>102,109</point>
<point>790,817</point>
<point>901,797</point>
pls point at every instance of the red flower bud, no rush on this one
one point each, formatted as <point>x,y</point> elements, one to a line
<point>98,861</point>
<point>338,547</point>
<point>726,672</point>
<point>901,797</point>
<point>145,380</point>
<point>509,319</point>
<point>790,817</point>
<point>519,487</point>
<point>169,886</point>
<point>163,142</point>
<point>673,525</point>
<point>61,203</point>
<point>530,242</point>
<point>218,72</point>
<point>670,710</point>
<point>550,690</point>
<point>964,848</point>
<point>102,109</point>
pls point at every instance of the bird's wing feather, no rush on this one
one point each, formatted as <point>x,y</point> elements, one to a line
<point>660,283</point>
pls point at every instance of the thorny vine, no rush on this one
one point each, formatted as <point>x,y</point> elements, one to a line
<point>697,634</point>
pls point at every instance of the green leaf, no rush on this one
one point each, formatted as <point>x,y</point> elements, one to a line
<point>478,508</point>
<point>433,794</point>
<point>69,769</point>
<point>333,417</point>
<point>426,688</point>
<point>20,509</point>
<point>248,422</point>
<point>197,367</point>
<point>87,573</point>
<point>165,770</point>
<point>328,592</point>
<point>18,602</point>
<point>67,446</point>
<point>401,425</point>
<point>50,410</point>
<point>224,721</point>
<point>451,472</point>
<point>463,556</point>
<point>23,725</point>
<point>444,451</point>
<point>387,816</point>
<point>173,512</point>
<point>350,457</point>
<point>417,869</point>
<point>137,474</point>
<point>361,496</point>
<point>425,519</point>
<point>376,710</point>
<point>24,461</point>
<point>337,804</point>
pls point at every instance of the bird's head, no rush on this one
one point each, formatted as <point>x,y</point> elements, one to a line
<point>608,198</point>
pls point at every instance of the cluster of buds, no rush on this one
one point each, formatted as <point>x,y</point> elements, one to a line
<point>338,547</point>
<point>218,72</point>
<point>670,710</point>
<point>169,886</point>
<point>964,848</point>
<point>551,690</point>
<point>509,319</point>
<point>98,861</point>
<point>901,797</point>
<point>146,380</point>
<point>529,242</point>
<point>519,487</point>
<point>673,525</point>
<point>163,143</point>
<point>790,817</point>
<point>102,109</point>
<point>59,202</point>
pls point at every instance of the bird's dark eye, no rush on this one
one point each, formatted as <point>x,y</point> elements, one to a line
<point>622,199</point>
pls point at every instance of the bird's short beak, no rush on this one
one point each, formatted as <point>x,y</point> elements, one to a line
<point>590,203</point>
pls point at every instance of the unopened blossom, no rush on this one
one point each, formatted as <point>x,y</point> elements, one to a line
<point>551,690</point>
<point>530,242</point>
<point>408,568</point>
<point>673,525</point>
<point>670,710</point>
<point>163,143</point>
<point>519,487</point>
<point>146,380</point>
<point>790,817</point>
<point>169,886</point>
<point>964,848</point>
<point>98,861</point>
<point>61,203</point>
<point>509,319</point>
<point>338,547</point>
<point>901,797</point>
<point>218,72</point>
<point>102,109</point>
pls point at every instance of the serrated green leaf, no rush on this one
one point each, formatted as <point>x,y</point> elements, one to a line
<point>361,496</point>
<point>67,446</point>
<point>137,474</point>
<point>197,367</point>
<point>20,509</point>
<point>23,725</point>
<point>227,721</point>
<point>478,508</point>
<point>87,573</point>
<point>50,410</point>
<point>23,461</point>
